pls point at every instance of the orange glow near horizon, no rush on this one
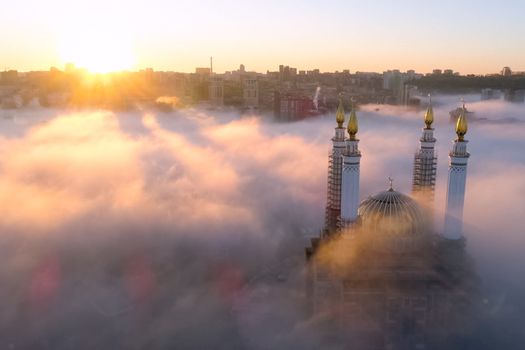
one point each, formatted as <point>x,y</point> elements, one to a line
<point>181,35</point>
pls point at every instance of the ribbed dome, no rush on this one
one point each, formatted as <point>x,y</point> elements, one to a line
<point>394,218</point>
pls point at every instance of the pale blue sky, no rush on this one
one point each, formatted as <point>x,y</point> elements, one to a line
<point>468,36</point>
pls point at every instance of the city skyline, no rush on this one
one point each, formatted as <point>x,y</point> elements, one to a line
<point>330,36</point>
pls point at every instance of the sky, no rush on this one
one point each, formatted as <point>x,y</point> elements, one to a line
<point>466,36</point>
<point>145,229</point>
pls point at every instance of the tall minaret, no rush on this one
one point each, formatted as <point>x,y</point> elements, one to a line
<point>425,161</point>
<point>335,166</point>
<point>350,179</point>
<point>457,176</point>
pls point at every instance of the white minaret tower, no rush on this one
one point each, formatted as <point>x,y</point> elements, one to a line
<point>350,178</point>
<point>335,166</point>
<point>457,176</point>
<point>425,161</point>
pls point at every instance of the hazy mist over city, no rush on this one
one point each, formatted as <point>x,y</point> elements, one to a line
<point>187,229</point>
<point>335,174</point>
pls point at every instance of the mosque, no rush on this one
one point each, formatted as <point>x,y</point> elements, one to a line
<point>379,274</point>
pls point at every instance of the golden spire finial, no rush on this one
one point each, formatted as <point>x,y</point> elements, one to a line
<point>429,114</point>
<point>340,114</point>
<point>461,125</point>
<point>391,183</point>
<point>352,122</point>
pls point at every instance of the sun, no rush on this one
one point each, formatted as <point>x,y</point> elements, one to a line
<point>99,50</point>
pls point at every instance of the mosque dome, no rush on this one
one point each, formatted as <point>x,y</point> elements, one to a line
<point>394,219</point>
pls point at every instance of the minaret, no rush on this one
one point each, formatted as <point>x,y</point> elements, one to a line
<point>350,178</point>
<point>425,161</point>
<point>335,160</point>
<point>457,176</point>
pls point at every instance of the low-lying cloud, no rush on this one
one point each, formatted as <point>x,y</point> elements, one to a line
<point>187,229</point>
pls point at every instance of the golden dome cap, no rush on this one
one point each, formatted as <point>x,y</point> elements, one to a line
<point>461,125</point>
<point>429,114</point>
<point>352,124</point>
<point>340,114</point>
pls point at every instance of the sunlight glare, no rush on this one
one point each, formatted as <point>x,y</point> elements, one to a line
<point>99,50</point>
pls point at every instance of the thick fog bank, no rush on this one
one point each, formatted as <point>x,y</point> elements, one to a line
<point>187,229</point>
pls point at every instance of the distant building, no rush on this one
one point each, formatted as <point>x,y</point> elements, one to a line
<point>391,79</point>
<point>514,96</point>
<point>250,92</point>
<point>286,73</point>
<point>395,81</point>
<point>57,99</point>
<point>437,72</point>
<point>448,72</point>
<point>216,90</point>
<point>9,77</point>
<point>506,72</point>
<point>11,102</point>
<point>490,94</point>
<point>408,96</point>
<point>292,107</point>
<point>203,70</point>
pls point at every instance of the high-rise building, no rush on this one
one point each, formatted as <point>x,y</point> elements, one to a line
<point>396,82</point>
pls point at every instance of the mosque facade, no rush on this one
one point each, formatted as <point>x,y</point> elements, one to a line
<point>379,274</point>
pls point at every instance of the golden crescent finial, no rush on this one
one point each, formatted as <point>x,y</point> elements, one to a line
<point>340,114</point>
<point>353,126</point>
<point>429,114</point>
<point>461,124</point>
